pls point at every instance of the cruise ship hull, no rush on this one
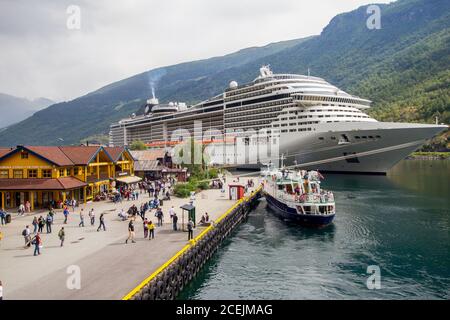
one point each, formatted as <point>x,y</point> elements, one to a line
<point>379,147</point>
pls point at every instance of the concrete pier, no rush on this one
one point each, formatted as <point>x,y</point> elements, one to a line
<point>109,268</point>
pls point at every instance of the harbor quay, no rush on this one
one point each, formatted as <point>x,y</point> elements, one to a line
<point>97,264</point>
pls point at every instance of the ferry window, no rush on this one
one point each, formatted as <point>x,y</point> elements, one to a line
<point>283,131</point>
<point>378,137</point>
<point>370,137</point>
<point>18,174</point>
<point>364,137</point>
<point>47,173</point>
<point>293,130</point>
<point>321,138</point>
<point>333,138</point>
<point>4,174</point>
<point>32,173</point>
<point>357,137</point>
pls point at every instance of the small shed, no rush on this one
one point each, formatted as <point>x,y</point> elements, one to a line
<point>190,209</point>
<point>236,191</point>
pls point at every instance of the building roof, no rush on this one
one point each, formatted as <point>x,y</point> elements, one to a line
<point>53,154</point>
<point>80,155</point>
<point>115,152</point>
<point>147,165</point>
<point>5,151</point>
<point>66,155</point>
<point>66,183</point>
<point>150,154</point>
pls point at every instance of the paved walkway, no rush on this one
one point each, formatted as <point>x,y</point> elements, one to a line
<point>109,267</point>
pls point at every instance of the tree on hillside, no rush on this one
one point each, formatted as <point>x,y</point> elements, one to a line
<point>138,145</point>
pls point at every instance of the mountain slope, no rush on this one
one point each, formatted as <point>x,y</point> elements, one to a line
<point>403,67</point>
<point>14,109</point>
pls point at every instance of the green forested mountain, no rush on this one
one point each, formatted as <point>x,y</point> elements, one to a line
<point>404,68</point>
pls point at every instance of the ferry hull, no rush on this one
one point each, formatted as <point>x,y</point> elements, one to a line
<point>288,213</point>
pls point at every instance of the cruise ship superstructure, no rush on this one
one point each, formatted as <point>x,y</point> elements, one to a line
<point>318,126</point>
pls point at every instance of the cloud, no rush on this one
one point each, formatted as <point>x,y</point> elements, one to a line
<point>39,56</point>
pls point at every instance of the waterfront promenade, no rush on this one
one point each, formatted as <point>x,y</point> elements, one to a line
<point>109,267</point>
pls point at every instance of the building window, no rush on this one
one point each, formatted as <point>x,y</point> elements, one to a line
<point>4,174</point>
<point>47,173</point>
<point>62,172</point>
<point>18,174</point>
<point>33,173</point>
<point>24,155</point>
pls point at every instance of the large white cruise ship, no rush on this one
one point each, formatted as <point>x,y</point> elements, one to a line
<point>314,124</point>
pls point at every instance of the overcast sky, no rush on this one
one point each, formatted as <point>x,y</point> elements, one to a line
<point>41,57</point>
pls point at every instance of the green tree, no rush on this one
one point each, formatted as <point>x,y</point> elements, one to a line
<point>138,145</point>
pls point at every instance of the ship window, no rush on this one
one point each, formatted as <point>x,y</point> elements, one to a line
<point>333,138</point>
<point>370,137</point>
<point>321,138</point>
<point>283,131</point>
<point>357,137</point>
<point>378,137</point>
<point>364,137</point>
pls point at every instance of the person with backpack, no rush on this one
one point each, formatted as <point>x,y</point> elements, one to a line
<point>130,232</point>
<point>190,226</point>
<point>26,233</point>
<point>37,242</point>
<point>102,223</point>
<point>160,216</point>
<point>48,223</point>
<point>62,235</point>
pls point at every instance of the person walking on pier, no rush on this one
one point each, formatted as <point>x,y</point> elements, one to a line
<point>26,233</point>
<point>66,214</point>
<point>81,224</point>
<point>37,242</point>
<point>41,224</point>
<point>62,236</point>
<point>160,216</point>
<point>190,226</point>
<point>92,216</point>
<point>48,223</point>
<point>174,221</point>
<point>145,223</point>
<point>102,223</point>
<point>130,232</point>
<point>151,230</point>
<point>35,224</point>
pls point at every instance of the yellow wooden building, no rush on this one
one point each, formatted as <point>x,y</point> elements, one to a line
<point>44,176</point>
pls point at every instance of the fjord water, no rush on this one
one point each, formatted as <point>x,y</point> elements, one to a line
<point>399,222</point>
